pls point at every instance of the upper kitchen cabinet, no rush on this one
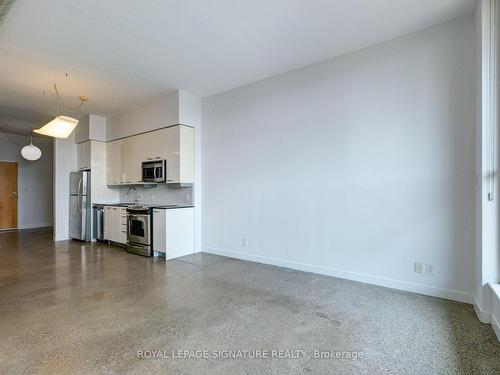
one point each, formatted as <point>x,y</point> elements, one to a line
<point>124,157</point>
<point>114,162</point>
<point>131,171</point>
<point>152,145</point>
<point>180,154</point>
<point>83,155</point>
<point>122,162</point>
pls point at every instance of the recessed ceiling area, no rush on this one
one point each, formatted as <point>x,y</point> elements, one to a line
<point>120,53</point>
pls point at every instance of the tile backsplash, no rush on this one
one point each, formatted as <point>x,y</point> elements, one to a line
<point>159,194</point>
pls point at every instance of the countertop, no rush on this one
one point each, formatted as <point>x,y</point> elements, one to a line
<point>158,205</point>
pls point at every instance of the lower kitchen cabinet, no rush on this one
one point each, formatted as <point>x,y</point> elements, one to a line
<point>173,231</point>
<point>115,224</point>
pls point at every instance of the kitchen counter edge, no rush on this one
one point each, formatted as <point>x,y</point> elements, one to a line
<point>124,205</point>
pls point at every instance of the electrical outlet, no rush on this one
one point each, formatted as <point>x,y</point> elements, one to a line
<point>244,242</point>
<point>418,267</point>
<point>429,269</point>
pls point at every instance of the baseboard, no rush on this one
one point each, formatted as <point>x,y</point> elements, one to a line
<point>496,326</point>
<point>482,315</point>
<point>450,294</point>
<point>32,226</point>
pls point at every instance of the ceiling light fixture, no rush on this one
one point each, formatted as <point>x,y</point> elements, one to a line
<point>61,126</point>
<point>31,152</point>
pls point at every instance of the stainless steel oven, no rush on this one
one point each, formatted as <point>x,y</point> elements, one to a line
<point>154,171</point>
<point>139,230</point>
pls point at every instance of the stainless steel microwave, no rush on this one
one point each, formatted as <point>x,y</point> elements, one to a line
<point>154,171</point>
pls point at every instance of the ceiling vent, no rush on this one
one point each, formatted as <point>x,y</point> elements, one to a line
<point>5,6</point>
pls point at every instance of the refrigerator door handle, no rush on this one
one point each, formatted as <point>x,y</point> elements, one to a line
<point>80,195</point>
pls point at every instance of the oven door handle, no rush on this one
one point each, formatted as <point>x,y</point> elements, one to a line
<point>137,216</point>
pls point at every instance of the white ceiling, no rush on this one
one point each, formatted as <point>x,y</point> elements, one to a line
<point>121,52</point>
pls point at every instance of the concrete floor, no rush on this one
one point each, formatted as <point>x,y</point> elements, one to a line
<point>76,308</point>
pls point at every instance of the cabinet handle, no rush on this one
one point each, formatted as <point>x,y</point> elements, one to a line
<point>157,157</point>
<point>150,158</point>
<point>169,180</point>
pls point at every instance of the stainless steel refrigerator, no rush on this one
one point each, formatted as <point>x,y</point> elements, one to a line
<point>80,210</point>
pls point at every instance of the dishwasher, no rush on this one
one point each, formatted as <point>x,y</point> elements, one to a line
<point>98,219</point>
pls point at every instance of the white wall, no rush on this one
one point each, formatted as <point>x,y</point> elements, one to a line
<point>157,113</point>
<point>91,126</point>
<point>487,220</point>
<point>64,163</point>
<point>34,180</point>
<point>355,167</point>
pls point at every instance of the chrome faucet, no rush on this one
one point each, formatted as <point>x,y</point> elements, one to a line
<point>136,198</point>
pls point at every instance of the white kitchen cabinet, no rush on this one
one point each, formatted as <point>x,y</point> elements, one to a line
<point>151,146</point>
<point>180,154</point>
<point>131,172</point>
<point>173,231</point>
<point>108,222</point>
<point>114,162</point>
<point>124,157</point>
<point>83,155</point>
<point>122,165</point>
<point>122,235</point>
<point>115,224</point>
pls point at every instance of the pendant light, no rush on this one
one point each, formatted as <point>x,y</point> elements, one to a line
<point>31,152</point>
<point>61,126</point>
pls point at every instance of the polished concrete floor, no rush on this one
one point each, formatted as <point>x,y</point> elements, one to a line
<point>71,308</point>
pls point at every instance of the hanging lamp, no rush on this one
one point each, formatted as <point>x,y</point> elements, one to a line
<point>31,152</point>
<point>61,126</point>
